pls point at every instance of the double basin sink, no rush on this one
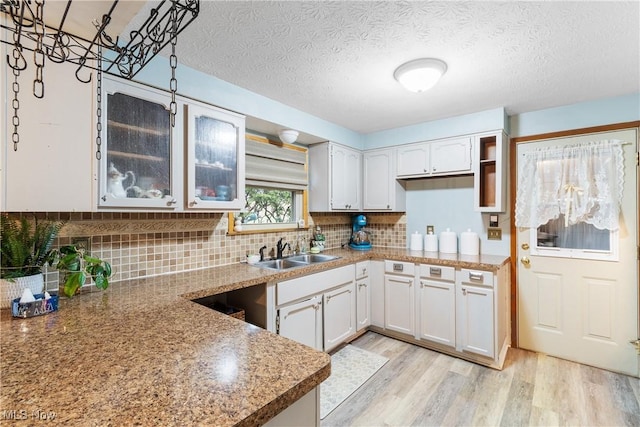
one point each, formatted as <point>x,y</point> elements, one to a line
<point>294,261</point>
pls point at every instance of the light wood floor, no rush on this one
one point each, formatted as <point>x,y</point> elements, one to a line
<point>423,388</point>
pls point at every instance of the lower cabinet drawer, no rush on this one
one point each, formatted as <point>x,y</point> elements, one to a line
<point>476,277</point>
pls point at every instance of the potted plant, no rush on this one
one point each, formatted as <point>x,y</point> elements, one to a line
<point>76,265</point>
<point>25,248</point>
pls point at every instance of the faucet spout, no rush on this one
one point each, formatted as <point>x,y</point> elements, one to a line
<point>262,252</point>
<point>280,248</point>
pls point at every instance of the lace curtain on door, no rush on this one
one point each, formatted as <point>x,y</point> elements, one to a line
<point>582,182</point>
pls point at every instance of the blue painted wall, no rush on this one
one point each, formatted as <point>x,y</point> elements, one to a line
<point>442,202</point>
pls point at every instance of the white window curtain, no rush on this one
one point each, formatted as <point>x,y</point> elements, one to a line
<point>583,182</point>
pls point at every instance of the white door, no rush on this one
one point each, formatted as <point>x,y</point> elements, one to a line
<point>339,315</point>
<point>585,310</point>
<point>475,320</point>
<point>363,304</point>
<point>302,322</point>
<point>378,182</point>
<point>345,178</point>
<point>399,304</point>
<point>438,312</point>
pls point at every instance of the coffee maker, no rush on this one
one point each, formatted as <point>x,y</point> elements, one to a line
<point>359,236</point>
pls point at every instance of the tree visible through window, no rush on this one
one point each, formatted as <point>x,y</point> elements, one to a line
<point>268,206</point>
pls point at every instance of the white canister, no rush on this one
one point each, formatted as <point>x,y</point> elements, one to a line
<point>448,242</point>
<point>469,243</point>
<point>416,242</point>
<point>431,243</point>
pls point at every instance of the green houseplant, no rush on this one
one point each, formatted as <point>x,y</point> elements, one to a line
<point>76,265</point>
<point>25,247</point>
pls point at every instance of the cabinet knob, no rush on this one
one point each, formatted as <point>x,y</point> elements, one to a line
<point>104,198</point>
<point>434,168</point>
<point>360,285</point>
<point>364,271</point>
<point>172,202</point>
<point>193,203</point>
<point>424,170</point>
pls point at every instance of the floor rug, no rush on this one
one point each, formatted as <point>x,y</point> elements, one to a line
<point>350,368</point>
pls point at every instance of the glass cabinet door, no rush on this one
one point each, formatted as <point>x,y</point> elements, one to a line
<point>215,157</point>
<point>136,164</point>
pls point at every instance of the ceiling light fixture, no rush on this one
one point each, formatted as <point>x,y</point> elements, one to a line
<point>420,75</point>
<point>288,136</point>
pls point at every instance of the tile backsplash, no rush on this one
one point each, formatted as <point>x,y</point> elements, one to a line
<point>151,244</point>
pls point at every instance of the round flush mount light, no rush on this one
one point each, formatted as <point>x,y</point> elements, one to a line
<point>288,136</point>
<point>420,74</point>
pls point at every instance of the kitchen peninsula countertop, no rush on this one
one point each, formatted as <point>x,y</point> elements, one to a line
<point>141,353</point>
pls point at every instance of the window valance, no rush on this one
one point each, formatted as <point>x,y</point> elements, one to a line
<point>273,165</point>
<point>583,182</point>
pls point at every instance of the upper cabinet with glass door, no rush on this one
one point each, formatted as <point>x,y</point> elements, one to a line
<point>137,162</point>
<point>215,158</point>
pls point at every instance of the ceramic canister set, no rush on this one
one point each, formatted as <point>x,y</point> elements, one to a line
<point>447,242</point>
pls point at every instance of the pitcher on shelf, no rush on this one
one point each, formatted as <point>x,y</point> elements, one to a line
<point>115,181</point>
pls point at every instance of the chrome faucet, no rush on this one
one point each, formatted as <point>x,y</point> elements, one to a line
<point>280,247</point>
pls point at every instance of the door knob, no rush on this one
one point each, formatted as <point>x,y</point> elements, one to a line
<point>525,261</point>
<point>525,246</point>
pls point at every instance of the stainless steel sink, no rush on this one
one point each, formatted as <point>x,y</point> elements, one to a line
<point>313,258</point>
<point>294,261</point>
<point>280,264</point>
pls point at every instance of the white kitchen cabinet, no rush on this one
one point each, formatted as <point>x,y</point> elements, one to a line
<point>339,315</point>
<point>376,285</point>
<point>335,178</point>
<point>302,322</point>
<point>52,168</point>
<point>413,160</point>
<point>476,312</point>
<point>381,190</point>
<point>363,296</point>
<point>150,165</point>
<point>437,304</point>
<point>139,167</point>
<point>489,172</point>
<point>451,156</point>
<point>332,294</point>
<point>215,158</point>
<point>399,299</point>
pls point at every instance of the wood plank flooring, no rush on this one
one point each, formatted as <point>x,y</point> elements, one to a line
<point>420,387</point>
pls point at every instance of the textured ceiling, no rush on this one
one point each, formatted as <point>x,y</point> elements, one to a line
<point>335,60</point>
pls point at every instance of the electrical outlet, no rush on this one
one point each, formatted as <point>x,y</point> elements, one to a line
<point>430,229</point>
<point>494,234</point>
<point>82,243</point>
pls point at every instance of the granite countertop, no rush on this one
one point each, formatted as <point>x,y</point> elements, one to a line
<point>141,353</point>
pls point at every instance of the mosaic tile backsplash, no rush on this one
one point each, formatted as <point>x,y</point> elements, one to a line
<point>151,244</point>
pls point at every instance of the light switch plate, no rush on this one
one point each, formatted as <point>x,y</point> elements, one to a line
<point>494,234</point>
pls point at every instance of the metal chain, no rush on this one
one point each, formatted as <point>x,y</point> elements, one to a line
<point>17,55</point>
<point>38,52</point>
<point>99,106</point>
<point>173,62</point>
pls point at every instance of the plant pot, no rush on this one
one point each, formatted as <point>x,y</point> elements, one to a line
<point>12,289</point>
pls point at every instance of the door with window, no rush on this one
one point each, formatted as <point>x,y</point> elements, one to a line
<point>577,273</point>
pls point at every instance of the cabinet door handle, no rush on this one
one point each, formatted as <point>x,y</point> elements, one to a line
<point>104,198</point>
<point>193,203</point>
<point>464,291</point>
<point>435,271</point>
<point>364,271</point>
<point>361,285</point>
<point>172,202</point>
<point>475,276</point>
